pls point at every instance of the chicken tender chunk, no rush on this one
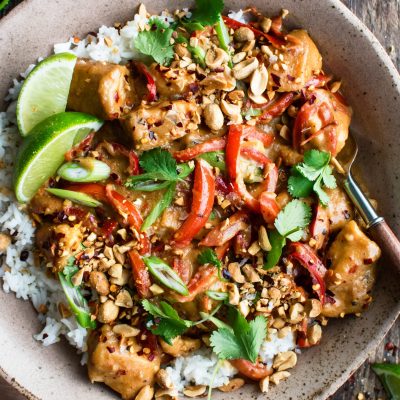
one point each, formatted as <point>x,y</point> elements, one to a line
<point>352,274</point>
<point>100,89</point>
<point>158,124</point>
<point>122,370</point>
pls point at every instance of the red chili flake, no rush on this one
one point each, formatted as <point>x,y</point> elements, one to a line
<point>291,78</point>
<point>353,269</point>
<point>121,372</point>
<point>312,99</point>
<point>151,357</point>
<point>111,349</point>
<point>276,79</point>
<point>116,97</point>
<point>389,346</point>
<point>219,69</point>
<point>368,261</point>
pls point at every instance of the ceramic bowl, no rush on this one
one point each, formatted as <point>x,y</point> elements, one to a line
<point>371,85</point>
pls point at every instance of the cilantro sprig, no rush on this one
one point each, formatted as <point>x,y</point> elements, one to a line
<point>206,12</point>
<point>165,322</point>
<point>242,340</point>
<point>289,224</point>
<point>156,42</point>
<point>161,172</point>
<point>208,256</point>
<point>311,175</point>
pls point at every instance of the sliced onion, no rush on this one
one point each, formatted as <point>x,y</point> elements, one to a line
<point>165,275</point>
<point>87,170</point>
<point>76,197</point>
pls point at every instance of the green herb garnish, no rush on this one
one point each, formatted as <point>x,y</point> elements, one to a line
<point>243,340</point>
<point>156,42</point>
<point>311,175</point>
<point>207,12</point>
<point>208,256</point>
<point>289,224</point>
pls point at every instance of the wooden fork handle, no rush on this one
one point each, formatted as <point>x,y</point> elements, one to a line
<point>387,241</point>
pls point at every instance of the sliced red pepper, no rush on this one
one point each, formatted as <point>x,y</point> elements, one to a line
<point>319,227</point>
<point>315,108</point>
<point>277,107</point>
<point>202,204</point>
<point>276,42</point>
<point>80,148</point>
<point>255,371</point>
<point>140,273</point>
<point>304,255</point>
<point>265,138</point>
<point>182,268</point>
<point>96,190</point>
<point>151,84</point>
<point>226,230</point>
<point>220,251</point>
<point>192,152</point>
<point>108,227</point>
<point>269,207</point>
<point>255,155</point>
<point>205,276</point>
<point>130,214</point>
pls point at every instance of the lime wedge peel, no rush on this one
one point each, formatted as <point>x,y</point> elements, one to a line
<point>42,152</point>
<point>45,91</point>
<point>389,375</point>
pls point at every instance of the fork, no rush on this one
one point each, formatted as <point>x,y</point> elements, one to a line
<point>376,225</point>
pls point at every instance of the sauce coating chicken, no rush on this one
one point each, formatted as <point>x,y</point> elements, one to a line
<point>124,371</point>
<point>352,273</point>
<point>100,89</point>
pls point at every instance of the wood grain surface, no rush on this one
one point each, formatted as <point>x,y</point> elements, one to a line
<point>383,18</point>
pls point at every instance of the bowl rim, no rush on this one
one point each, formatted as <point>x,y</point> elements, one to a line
<point>382,54</point>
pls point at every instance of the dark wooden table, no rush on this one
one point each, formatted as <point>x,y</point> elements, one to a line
<point>383,18</point>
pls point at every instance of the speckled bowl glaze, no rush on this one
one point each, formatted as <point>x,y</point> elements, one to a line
<point>371,85</point>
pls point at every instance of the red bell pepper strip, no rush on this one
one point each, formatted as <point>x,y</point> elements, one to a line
<point>276,42</point>
<point>232,158</point>
<point>202,204</point>
<point>96,190</point>
<point>140,273</point>
<point>192,152</point>
<point>265,138</point>
<point>151,84</point>
<point>226,230</point>
<point>205,276</point>
<point>304,255</point>
<point>130,214</point>
<point>277,107</point>
<point>255,371</point>
<point>182,268</point>
<point>220,251</point>
<point>255,155</point>
<point>319,227</point>
<point>80,148</point>
<point>269,207</point>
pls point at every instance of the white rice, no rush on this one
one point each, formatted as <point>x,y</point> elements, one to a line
<point>274,345</point>
<point>29,282</point>
<point>197,369</point>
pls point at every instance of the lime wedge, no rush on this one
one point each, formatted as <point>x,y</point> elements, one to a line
<point>389,374</point>
<point>45,91</point>
<point>42,152</point>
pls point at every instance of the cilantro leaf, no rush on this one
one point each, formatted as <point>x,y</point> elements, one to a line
<point>311,175</point>
<point>166,321</point>
<point>243,340</point>
<point>292,219</point>
<point>299,186</point>
<point>156,42</point>
<point>161,162</point>
<point>207,12</point>
<point>208,256</point>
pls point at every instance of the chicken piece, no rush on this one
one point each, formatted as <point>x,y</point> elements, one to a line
<point>302,59</point>
<point>171,82</point>
<point>290,157</point>
<point>45,203</point>
<point>156,125</point>
<point>322,122</point>
<point>340,210</point>
<point>181,346</point>
<point>352,273</point>
<point>58,243</point>
<point>100,89</point>
<point>122,370</point>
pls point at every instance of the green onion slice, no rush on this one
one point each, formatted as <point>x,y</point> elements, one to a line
<point>165,275</point>
<point>77,303</point>
<point>218,296</point>
<point>76,197</point>
<point>87,170</point>
<point>215,159</point>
